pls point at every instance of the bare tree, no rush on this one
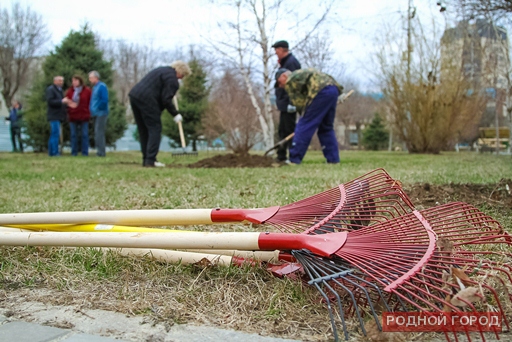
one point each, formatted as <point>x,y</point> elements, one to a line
<point>232,115</point>
<point>317,52</point>
<point>22,34</point>
<point>248,47</point>
<point>431,102</point>
<point>497,8</point>
<point>356,111</point>
<point>130,63</point>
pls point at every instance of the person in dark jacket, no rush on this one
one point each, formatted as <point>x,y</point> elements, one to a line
<point>15,119</point>
<point>79,96</point>
<point>56,113</point>
<point>288,113</point>
<point>148,99</point>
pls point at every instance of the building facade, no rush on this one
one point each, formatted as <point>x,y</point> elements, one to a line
<point>481,50</point>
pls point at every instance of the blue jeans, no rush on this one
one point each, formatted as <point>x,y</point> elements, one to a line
<point>53,142</point>
<point>319,115</point>
<point>84,132</point>
<point>100,127</point>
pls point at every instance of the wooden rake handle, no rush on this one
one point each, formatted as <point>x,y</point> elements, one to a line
<point>180,126</point>
<point>322,245</point>
<point>155,217</point>
<point>186,256</point>
<point>182,136</point>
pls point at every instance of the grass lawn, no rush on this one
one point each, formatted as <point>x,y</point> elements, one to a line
<point>249,300</point>
<point>34,182</point>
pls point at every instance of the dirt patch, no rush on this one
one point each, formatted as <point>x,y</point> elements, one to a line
<point>495,195</point>
<point>235,160</point>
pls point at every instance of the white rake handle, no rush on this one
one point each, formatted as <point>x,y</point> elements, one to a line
<point>156,217</point>
<point>217,257</point>
<point>185,258</point>
<point>182,135</point>
<point>243,241</point>
<point>180,126</point>
<point>323,245</point>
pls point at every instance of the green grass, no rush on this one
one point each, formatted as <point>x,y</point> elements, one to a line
<point>35,182</point>
<point>242,298</point>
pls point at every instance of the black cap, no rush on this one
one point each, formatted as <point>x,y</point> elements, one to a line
<point>280,71</point>
<point>281,43</point>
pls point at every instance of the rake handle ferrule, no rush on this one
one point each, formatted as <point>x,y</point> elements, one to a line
<point>322,244</point>
<point>257,216</point>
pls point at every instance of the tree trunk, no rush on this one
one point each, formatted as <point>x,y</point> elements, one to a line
<point>267,138</point>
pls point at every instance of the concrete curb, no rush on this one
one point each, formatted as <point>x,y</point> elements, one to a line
<point>105,326</point>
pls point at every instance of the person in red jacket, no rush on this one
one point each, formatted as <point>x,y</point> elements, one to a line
<point>79,97</point>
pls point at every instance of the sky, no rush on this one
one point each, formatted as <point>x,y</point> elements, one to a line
<point>169,24</point>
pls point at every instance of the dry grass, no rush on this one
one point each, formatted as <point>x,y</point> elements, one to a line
<point>247,299</point>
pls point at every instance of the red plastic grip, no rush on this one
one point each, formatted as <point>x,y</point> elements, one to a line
<point>257,216</point>
<point>321,244</point>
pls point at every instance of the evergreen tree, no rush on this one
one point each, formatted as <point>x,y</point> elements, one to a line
<point>193,103</point>
<point>77,54</point>
<point>375,136</point>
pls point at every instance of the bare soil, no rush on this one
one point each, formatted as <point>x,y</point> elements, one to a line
<point>498,196</point>
<point>235,160</point>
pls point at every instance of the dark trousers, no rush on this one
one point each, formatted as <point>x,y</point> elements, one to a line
<point>79,128</point>
<point>319,115</point>
<point>286,127</point>
<point>149,124</point>
<point>100,129</point>
<point>16,134</point>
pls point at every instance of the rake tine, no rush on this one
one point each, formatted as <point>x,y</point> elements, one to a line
<point>354,301</point>
<point>331,273</point>
<point>331,314</point>
<point>308,269</point>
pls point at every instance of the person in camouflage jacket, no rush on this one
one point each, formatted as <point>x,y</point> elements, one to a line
<point>315,94</point>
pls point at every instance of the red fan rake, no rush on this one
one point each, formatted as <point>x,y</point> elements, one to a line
<point>423,261</point>
<point>368,199</point>
<point>378,254</point>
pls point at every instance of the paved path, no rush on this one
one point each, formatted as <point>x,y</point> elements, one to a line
<point>21,331</point>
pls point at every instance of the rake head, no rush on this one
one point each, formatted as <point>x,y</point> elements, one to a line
<point>185,153</point>
<point>450,258</point>
<point>369,199</point>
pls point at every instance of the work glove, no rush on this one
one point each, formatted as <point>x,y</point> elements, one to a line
<point>178,118</point>
<point>291,109</point>
<point>342,98</point>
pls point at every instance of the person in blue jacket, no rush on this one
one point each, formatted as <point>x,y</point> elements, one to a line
<point>99,111</point>
<point>15,119</point>
<point>288,112</point>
